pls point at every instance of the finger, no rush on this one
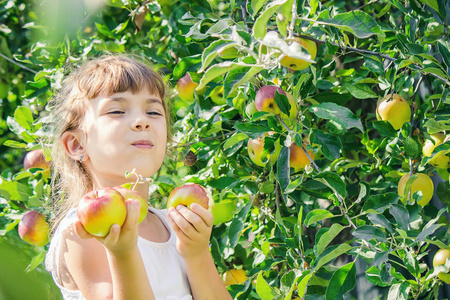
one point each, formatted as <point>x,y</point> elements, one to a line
<point>180,234</point>
<point>80,231</point>
<point>191,217</point>
<point>133,211</point>
<point>183,224</point>
<point>203,213</point>
<point>112,237</point>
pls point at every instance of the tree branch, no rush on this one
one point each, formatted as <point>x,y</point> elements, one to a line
<point>17,64</point>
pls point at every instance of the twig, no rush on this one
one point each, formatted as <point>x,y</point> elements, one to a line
<point>319,171</point>
<point>18,64</point>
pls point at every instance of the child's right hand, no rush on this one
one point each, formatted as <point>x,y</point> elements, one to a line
<point>119,239</point>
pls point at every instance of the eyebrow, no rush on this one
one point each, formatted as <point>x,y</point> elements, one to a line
<point>148,100</point>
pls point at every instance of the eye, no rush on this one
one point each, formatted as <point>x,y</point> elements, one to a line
<point>154,113</point>
<point>115,112</point>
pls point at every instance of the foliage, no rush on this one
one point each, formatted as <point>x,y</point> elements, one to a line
<point>296,234</point>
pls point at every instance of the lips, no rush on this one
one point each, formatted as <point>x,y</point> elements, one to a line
<point>144,144</point>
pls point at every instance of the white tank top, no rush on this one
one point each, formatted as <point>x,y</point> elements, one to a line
<point>164,266</point>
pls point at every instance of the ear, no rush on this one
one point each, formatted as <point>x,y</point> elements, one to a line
<point>73,144</point>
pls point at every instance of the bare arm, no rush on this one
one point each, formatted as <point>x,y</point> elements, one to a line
<point>193,229</point>
<point>110,267</point>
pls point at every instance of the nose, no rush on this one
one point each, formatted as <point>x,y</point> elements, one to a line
<point>141,123</point>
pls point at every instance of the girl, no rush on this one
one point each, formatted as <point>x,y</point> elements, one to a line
<point>111,117</point>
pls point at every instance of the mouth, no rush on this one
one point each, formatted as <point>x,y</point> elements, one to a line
<point>143,144</point>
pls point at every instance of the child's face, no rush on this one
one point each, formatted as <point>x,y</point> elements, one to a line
<point>124,131</point>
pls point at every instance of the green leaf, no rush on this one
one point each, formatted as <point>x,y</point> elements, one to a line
<point>284,16</point>
<point>186,64</point>
<point>283,168</point>
<point>238,77</point>
<point>36,261</point>
<point>328,236</point>
<point>445,52</point>
<point>260,26</point>
<point>282,102</point>
<point>24,117</point>
<point>400,215</point>
<point>303,285</point>
<point>332,253</point>
<point>14,144</point>
<point>234,139</point>
<point>357,22</point>
<point>379,219</point>
<point>252,128</point>
<point>15,191</point>
<point>339,114</point>
<point>342,281</point>
<point>317,215</point>
<point>368,233</point>
<point>216,71</point>
<point>431,3</point>
<point>442,192</point>
<point>412,147</point>
<point>360,90</point>
<point>256,5</point>
<point>379,203</point>
<point>332,180</point>
<point>331,145</point>
<point>399,291</point>
<point>212,52</point>
<point>263,288</point>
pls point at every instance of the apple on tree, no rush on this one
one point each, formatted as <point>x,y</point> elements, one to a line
<point>98,210</point>
<point>440,258</point>
<point>441,161</point>
<point>298,158</point>
<point>36,159</point>
<point>265,101</point>
<point>422,183</point>
<point>395,110</point>
<point>189,193</point>
<point>186,87</point>
<point>33,228</point>
<point>297,64</point>
<point>255,148</point>
<point>128,193</point>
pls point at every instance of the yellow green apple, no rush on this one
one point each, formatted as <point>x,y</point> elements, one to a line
<point>128,193</point>
<point>300,64</point>
<point>33,228</point>
<point>234,276</point>
<point>422,183</point>
<point>189,193</point>
<point>98,210</point>
<point>223,211</point>
<point>298,158</point>
<point>440,258</point>
<point>186,87</point>
<point>395,110</point>
<point>442,161</point>
<point>217,96</point>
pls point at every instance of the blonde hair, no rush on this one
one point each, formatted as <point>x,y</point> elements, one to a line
<point>105,75</point>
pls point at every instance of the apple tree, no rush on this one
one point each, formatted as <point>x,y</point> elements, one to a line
<point>321,128</point>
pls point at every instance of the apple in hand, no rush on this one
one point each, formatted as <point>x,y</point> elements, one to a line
<point>396,110</point>
<point>98,210</point>
<point>34,229</point>
<point>190,193</point>
<point>127,194</point>
<point>300,64</point>
<point>35,159</point>
<point>186,87</point>
<point>439,259</point>
<point>265,101</point>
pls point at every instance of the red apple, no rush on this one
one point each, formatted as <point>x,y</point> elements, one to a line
<point>34,229</point>
<point>98,210</point>
<point>190,193</point>
<point>127,194</point>
<point>265,101</point>
<point>35,159</point>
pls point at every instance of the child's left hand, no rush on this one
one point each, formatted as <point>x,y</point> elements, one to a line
<point>193,228</point>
